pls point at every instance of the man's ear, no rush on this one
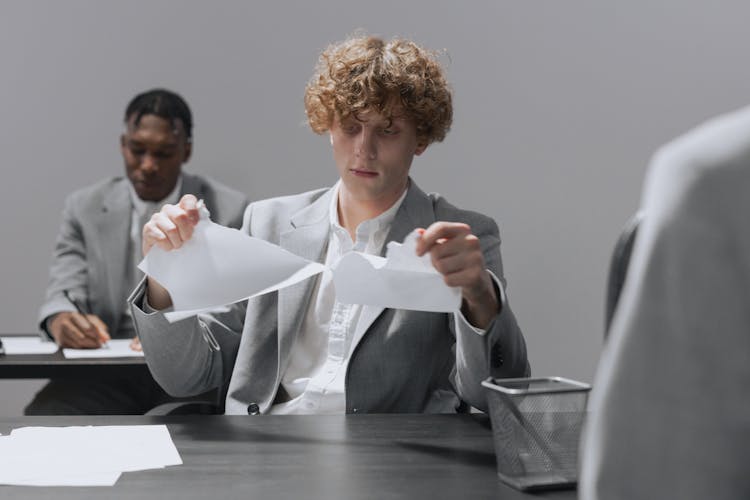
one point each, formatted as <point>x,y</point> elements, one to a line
<point>421,146</point>
<point>122,142</point>
<point>330,137</point>
<point>188,150</point>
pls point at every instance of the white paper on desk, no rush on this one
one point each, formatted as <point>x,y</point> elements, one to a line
<point>89,455</point>
<point>114,348</point>
<point>220,266</point>
<point>401,280</point>
<point>28,345</point>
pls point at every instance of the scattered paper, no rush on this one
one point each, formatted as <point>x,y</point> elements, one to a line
<point>115,348</point>
<point>83,456</point>
<point>401,280</point>
<point>28,345</point>
<point>220,266</point>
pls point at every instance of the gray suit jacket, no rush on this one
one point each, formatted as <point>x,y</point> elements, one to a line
<point>93,247</point>
<point>404,361</point>
<point>670,412</point>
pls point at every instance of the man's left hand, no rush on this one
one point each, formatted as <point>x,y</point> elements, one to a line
<point>457,255</point>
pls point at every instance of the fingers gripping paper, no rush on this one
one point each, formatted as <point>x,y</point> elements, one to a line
<point>220,266</point>
<point>401,280</point>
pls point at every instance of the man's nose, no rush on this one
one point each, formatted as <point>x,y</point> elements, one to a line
<point>366,145</point>
<point>148,163</point>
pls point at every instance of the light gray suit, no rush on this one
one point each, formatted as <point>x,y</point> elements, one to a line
<point>93,259</point>
<point>670,408</point>
<point>93,251</point>
<point>405,361</point>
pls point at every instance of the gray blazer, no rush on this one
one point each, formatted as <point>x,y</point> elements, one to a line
<point>405,361</point>
<point>92,250</point>
<point>669,411</point>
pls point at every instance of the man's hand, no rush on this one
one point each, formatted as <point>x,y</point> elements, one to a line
<point>457,255</point>
<point>169,229</point>
<point>135,344</point>
<point>79,331</point>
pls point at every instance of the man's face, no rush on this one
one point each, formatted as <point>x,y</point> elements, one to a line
<point>154,151</point>
<point>373,155</point>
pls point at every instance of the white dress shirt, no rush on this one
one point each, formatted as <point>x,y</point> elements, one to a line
<point>315,378</point>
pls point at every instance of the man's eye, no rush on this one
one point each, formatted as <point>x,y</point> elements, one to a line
<point>162,154</point>
<point>136,151</point>
<point>389,131</point>
<point>350,129</point>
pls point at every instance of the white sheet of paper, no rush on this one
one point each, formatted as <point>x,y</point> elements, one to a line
<point>220,266</point>
<point>28,345</point>
<point>115,348</point>
<point>83,456</point>
<point>401,280</point>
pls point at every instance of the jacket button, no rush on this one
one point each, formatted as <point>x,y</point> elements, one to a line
<point>253,409</point>
<point>354,410</point>
<point>496,355</point>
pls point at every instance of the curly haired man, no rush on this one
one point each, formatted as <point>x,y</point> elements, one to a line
<point>300,350</point>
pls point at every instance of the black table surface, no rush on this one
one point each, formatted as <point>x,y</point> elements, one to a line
<point>55,365</point>
<point>305,457</point>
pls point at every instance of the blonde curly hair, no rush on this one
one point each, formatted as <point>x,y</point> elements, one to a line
<point>368,73</point>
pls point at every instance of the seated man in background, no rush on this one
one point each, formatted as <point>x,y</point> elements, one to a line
<point>669,413</point>
<point>300,350</point>
<point>98,248</point>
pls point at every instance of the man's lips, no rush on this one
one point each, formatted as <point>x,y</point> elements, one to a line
<point>363,173</point>
<point>148,183</point>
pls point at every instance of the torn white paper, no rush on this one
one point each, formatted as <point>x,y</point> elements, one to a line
<point>220,266</point>
<point>28,345</point>
<point>52,456</point>
<point>401,280</point>
<point>114,348</point>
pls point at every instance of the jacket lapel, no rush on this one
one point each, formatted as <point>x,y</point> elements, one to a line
<point>415,211</point>
<point>308,238</point>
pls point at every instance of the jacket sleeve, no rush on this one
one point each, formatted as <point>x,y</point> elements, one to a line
<point>500,351</point>
<point>190,356</point>
<point>68,270</point>
<point>194,355</point>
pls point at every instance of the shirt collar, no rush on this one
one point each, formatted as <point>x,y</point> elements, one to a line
<point>371,225</point>
<point>143,207</point>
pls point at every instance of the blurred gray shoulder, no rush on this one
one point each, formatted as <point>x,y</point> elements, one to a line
<point>97,194</point>
<point>707,167</point>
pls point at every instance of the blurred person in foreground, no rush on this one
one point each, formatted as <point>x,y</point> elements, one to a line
<point>669,412</point>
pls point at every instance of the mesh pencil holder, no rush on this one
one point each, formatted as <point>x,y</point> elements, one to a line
<point>536,426</point>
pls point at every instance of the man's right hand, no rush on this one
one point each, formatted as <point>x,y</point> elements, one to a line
<point>79,331</point>
<point>169,229</point>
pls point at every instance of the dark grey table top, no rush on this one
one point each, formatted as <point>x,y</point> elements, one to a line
<point>306,457</point>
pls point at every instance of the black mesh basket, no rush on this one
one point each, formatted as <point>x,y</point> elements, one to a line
<point>536,426</point>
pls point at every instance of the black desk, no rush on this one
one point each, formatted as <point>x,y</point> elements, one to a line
<point>57,366</point>
<point>306,457</point>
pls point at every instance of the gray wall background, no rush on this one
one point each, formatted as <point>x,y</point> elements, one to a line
<point>558,107</point>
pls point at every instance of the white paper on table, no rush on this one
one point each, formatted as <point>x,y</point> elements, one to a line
<point>80,456</point>
<point>220,266</point>
<point>28,345</point>
<point>401,280</point>
<point>114,348</point>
